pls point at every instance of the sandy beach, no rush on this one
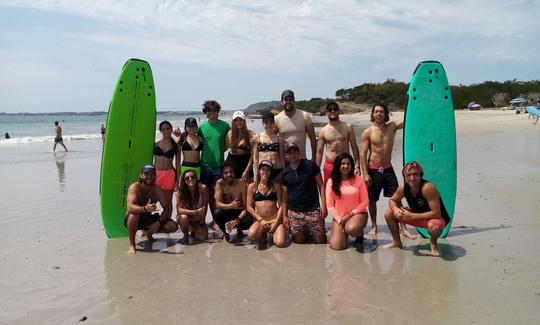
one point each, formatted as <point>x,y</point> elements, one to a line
<point>58,267</point>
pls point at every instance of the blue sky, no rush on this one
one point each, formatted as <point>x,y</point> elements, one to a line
<point>62,55</point>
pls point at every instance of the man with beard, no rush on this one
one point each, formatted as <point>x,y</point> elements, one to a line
<point>230,197</point>
<point>336,136</point>
<point>293,125</point>
<point>142,197</point>
<point>377,171</point>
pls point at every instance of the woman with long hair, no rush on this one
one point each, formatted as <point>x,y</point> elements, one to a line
<point>191,206</point>
<point>166,157</point>
<point>264,205</point>
<point>191,146</point>
<point>238,141</point>
<point>347,201</point>
<point>269,146</point>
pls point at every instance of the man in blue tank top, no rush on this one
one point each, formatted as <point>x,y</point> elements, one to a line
<point>426,209</point>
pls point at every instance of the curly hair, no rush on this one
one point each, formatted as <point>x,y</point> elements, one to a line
<point>211,104</point>
<point>386,112</point>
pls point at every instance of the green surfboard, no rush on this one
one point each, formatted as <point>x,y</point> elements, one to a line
<point>430,132</point>
<point>129,141</point>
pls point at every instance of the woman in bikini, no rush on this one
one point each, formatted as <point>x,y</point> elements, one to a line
<point>269,146</point>
<point>264,205</point>
<point>347,201</point>
<point>191,145</point>
<point>192,205</point>
<point>238,141</point>
<point>166,157</point>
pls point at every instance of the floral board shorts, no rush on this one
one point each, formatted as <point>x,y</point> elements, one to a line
<point>309,222</point>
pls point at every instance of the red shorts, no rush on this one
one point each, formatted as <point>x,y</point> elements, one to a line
<point>424,223</point>
<point>166,179</point>
<point>327,169</point>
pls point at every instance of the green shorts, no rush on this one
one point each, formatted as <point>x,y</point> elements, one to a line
<point>196,167</point>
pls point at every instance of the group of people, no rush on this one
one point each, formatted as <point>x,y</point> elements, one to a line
<point>267,186</point>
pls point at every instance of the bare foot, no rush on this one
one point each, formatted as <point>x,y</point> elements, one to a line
<point>435,249</point>
<point>393,245</point>
<point>131,250</point>
<point>373,232</point>
<point>407,234</point>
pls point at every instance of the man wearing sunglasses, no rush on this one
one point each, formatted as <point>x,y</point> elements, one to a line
<point>337,136</point>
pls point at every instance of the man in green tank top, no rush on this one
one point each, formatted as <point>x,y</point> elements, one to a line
<point>213,132</point>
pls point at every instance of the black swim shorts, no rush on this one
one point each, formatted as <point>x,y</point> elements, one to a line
<point>145,221</point>
<point>382,179</point>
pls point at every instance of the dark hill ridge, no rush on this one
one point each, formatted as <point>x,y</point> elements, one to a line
<point>261,106</point>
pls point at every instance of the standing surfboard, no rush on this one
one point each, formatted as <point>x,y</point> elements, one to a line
<point>430,132</point>
<point>129,141</point>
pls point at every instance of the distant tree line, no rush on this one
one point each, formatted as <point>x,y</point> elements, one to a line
<point>487,94</point>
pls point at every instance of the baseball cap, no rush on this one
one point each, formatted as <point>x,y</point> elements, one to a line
<point>148,168</point>
<point>239,114</point>
<point>291,146</point>
<point>267,163</point>
<point>190,121</point>
<point>268,117</point>
<point>287,93</point>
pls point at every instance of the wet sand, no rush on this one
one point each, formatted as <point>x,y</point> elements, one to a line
<point>58,266</point>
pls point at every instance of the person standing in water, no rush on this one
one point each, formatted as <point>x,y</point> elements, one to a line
<point>58,136</point>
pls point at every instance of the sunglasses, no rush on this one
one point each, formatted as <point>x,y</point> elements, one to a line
<point>189,178</point>
<point>333,109</point>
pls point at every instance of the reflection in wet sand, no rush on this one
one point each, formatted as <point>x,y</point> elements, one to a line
<point>59,159</point>
<point>218,282</point>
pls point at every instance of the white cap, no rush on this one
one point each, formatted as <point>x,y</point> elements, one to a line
<point>239,114</point>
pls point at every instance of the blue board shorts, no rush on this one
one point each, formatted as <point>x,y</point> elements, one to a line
<point>210,175</point>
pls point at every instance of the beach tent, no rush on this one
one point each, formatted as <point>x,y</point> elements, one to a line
<point>517,103</point>
<point>474,106</point>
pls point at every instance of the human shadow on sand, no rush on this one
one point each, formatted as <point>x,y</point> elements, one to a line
<point>465,230</point>
<point>449,252</point>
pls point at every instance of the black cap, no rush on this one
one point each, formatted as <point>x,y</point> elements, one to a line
<point>148,168</point>
<point>287,93</point>
<point>290,146</point>
<point>268,116</point>
<point>190,121</point>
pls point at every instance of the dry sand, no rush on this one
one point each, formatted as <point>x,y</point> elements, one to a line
<point>58,266</point>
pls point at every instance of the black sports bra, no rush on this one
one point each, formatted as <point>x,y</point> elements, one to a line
<point>169,154</point>
<point>187,147</point>
<point>268,146</point>
<point>258,196</point>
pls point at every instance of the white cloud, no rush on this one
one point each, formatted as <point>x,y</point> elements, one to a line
<point>262,34</point>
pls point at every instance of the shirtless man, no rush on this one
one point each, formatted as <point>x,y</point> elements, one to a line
<point>336,136</point>
<point>426,208</point>
<point>293,125</point>
<point>58,136</point>
<point>142,197</point>
<point>377,170</point>
<point>230,196</point>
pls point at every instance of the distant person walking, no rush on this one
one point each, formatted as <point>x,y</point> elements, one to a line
<point>293,125</point>
<point>103,132</point>
<point>58,136</point>
<point>7,136</point>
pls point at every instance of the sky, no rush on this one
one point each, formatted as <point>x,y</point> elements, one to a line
<point>62,55</point>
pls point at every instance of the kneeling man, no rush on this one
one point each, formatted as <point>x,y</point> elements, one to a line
<point>426,208</point>
<point>142,197</point>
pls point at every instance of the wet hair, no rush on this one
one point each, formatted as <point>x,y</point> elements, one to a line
<point>55,122</point>
<point>211,104</point>
<point>165,123</point>
<point>184,197</point>
<point>413,164</point>
<point>336,172</point>
<point>229,164</point>
<point>270,182</point>
<point>332,104</point>
<point>386,112</point>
